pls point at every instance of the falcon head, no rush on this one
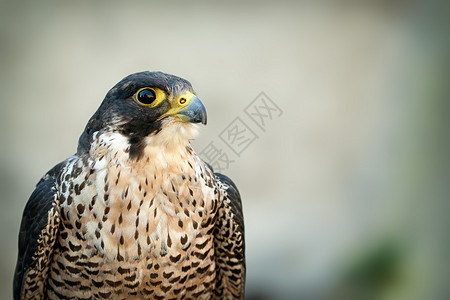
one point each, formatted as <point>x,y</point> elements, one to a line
<point>147,108</point>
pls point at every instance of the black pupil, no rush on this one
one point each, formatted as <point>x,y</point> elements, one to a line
<point>146,96</point>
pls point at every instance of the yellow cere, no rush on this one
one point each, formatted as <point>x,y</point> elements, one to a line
<point>183,99</point>
<point>178,102</point>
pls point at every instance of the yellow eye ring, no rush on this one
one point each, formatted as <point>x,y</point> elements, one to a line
<point>149,96</point>
<point>182,101</point>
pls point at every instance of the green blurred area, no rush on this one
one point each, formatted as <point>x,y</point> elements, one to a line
<point>346,196</point>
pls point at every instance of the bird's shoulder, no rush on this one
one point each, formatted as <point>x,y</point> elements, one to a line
<point>229,241</point>
<point>231,198</point>
<point>38,231</point>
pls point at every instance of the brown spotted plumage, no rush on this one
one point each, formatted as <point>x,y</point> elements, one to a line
<point>135,213</point>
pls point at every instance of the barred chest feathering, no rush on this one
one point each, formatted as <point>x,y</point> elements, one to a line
<point>135,227</point>
<point>134,214</point>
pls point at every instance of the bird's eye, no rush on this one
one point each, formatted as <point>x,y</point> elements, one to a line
<point>146,96</point>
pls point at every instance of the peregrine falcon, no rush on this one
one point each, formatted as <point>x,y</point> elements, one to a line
<point>135,213</point>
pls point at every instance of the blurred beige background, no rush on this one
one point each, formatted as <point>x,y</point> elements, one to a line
<point>345,195</point>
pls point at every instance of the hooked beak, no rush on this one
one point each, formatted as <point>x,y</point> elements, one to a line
<point>194,112</point>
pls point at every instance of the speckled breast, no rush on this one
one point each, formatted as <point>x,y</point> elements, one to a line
<point>135,231</point>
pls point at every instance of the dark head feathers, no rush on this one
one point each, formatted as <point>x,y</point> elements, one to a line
<point>119,113</point>
<point>166,82</point>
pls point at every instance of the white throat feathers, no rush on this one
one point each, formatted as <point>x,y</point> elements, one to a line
<point>174,135</point>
